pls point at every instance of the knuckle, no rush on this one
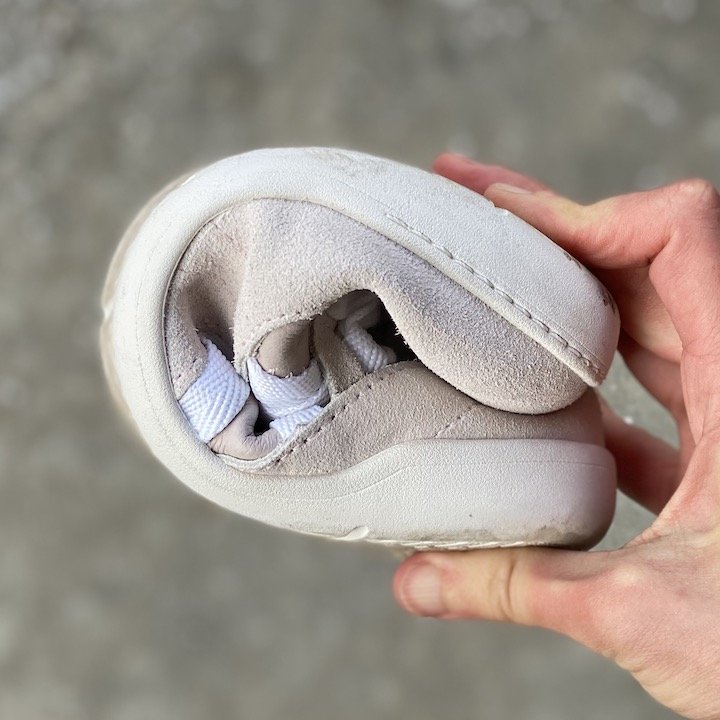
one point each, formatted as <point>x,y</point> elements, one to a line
<point>596,228</point>
<point>617,593</point>
<point>490,587</point>
<point>698,193</point>
<point>626,579</point>
<point>504,589</point>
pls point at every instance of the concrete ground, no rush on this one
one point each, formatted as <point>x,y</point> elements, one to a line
<point>124,596</point>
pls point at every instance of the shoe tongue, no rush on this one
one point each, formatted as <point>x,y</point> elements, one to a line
<point>286,350</point>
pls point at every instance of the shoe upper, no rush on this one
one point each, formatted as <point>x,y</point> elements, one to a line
<point>493,319</point>
<point>264,264</point>
<point>260,273</point>
<point>405,401</point>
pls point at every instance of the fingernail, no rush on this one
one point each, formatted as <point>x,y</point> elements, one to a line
<point>421,591</point>
<point>504,187</point>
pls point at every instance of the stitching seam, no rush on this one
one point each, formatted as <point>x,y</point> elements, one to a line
<point>328,420</point>
<point>566,345</point>
<point>493,288</point>
<point>454,421</point>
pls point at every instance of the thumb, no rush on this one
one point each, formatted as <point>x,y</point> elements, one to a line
<point>554,589</point>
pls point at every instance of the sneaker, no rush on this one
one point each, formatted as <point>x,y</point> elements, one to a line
<point>342,345</point>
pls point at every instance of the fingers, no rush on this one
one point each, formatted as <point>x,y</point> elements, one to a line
<point>660,377</point>
<point>479,177</point>
<point>531,586</point>
<point>643,314</point>
<point>648,469</point>
<point>644,317</point>
<point>662,244</point>
<point>673,231</point>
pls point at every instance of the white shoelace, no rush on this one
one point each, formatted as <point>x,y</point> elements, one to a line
<point>289,401</point>
<point>219,394</point>
<point>216,397</point>
<point>372,356</point>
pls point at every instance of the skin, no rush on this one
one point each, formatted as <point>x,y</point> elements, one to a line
<point>652,606</point>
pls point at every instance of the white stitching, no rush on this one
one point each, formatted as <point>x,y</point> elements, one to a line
<point>326,420</point>
<point>501,293</point>
<point>564,342</point>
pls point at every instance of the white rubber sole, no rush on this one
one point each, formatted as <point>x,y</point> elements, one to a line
<point>440,493</point>
<point>449,493</point>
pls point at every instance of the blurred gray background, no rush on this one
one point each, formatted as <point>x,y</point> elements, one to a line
<point>124,596</point>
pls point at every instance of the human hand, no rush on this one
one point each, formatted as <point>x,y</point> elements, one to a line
<point>652,606</point>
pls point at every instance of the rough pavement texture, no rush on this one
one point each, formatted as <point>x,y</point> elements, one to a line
<point>124,596</point>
